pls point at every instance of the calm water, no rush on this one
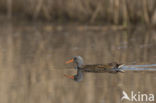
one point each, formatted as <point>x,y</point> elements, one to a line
<point>32,62</point>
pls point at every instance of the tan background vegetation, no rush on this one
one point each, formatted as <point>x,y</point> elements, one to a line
<point>85,11</point>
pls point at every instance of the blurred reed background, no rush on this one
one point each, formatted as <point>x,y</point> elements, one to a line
<point>85,11</point>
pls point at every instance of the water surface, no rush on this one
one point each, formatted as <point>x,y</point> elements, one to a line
<point>32,59</point>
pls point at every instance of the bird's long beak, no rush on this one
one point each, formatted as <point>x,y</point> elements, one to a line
<point>70,61</point>
<point>68,76</point>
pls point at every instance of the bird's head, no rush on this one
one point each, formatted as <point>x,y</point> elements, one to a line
<point>76,59</point>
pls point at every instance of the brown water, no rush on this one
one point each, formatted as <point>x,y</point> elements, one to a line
<point>32,62</point>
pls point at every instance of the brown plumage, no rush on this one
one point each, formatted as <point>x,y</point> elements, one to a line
<point>100,68</point>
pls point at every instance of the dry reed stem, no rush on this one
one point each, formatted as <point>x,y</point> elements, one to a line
<point>145,11</point>
<point>95,13</point>
<point>38,8</point>
<point>116,11</point>
<point>9,9</point>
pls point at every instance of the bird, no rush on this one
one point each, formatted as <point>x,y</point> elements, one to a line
<point>95,68</point>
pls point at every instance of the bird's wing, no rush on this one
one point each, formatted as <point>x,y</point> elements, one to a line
<point>96,68</point>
